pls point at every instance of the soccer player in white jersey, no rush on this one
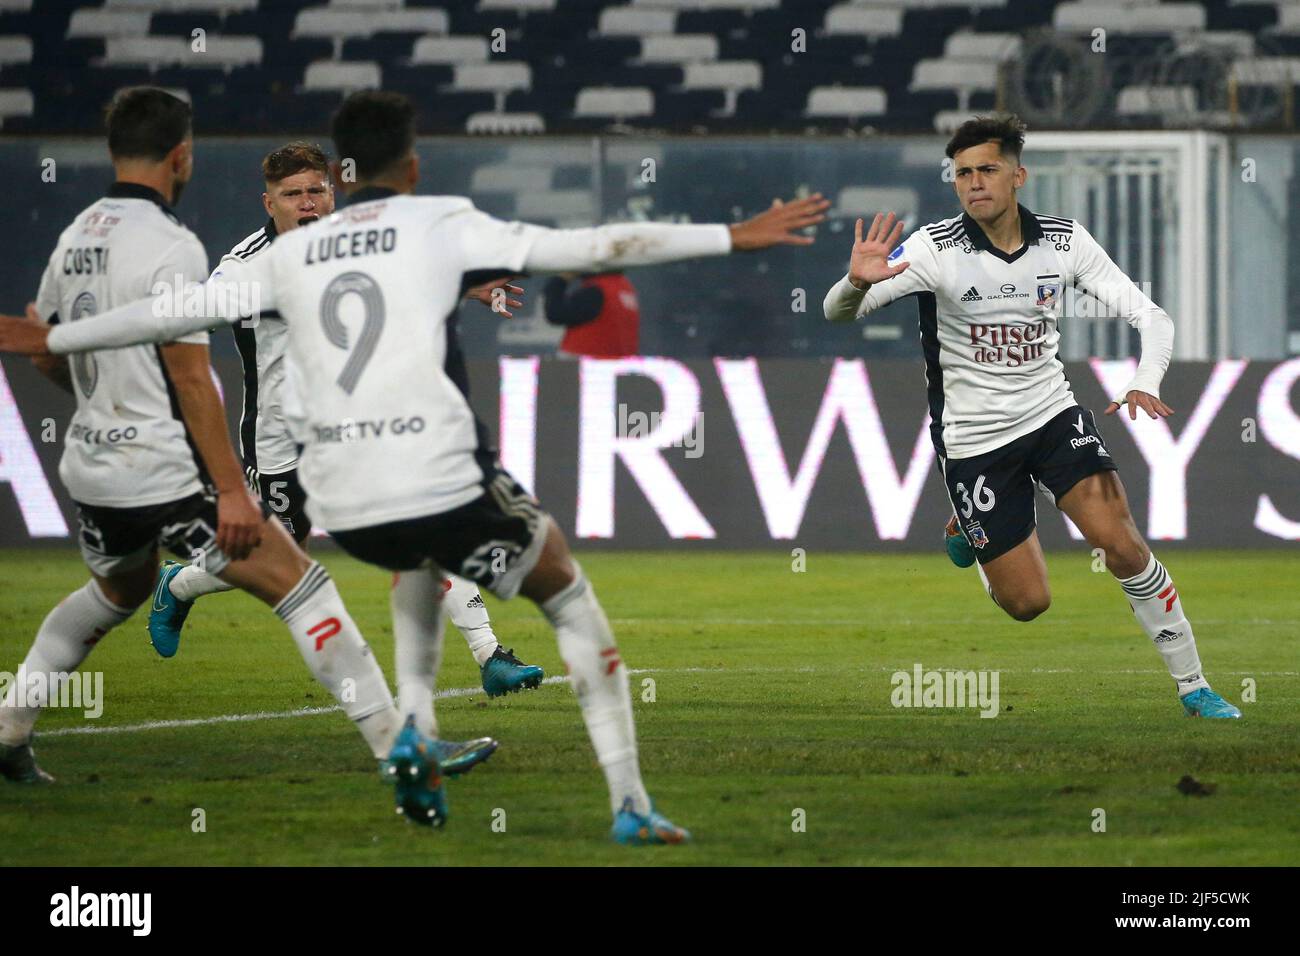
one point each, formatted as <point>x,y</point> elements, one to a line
<point>395,465</point>
<point>990,284</point>
<point>298,192</point>
<point>147,456</point>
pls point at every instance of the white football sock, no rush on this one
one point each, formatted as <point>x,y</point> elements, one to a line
<point>600,682</point>
<point>416,603</point>
<point>467,611</point>
<point>191,582</point>
<point>339,657</point>
<point>66,637</point>
<point>1155,602</point>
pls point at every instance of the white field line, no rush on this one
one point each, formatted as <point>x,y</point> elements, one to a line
<point>472,691</point>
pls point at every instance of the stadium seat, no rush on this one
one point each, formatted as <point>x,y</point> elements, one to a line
<point>733,5</point>
<point>450,49</point>
<point>222,52</point>
<point>635,21</point>
<point>962,76</point>
<point>518,6</point>
<point>492,77</point>
<point>16,103</point>
<point>1076,17</point>
<point>992,47</point>
<point>864,202</point>
<point>678,48</point>
<point>1267,71</point>
<point>573,207</point>
<point>614,103</point>
<point>847,102</point>
<point>95,22</point>
<point>510,178</point>
<point>220,7</point>
<point>339,24</point>
<point>1156,100</point>
<point>505,124</point>
<point>329,75</point>
<point>864,21</point>
<point>15,49</point>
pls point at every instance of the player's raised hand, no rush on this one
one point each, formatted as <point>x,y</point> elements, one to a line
<point>869,262</point>
<point>498,302</point>
<point>1143,400</point>
<point>239,523</point>
<point>779,224</point>
<point>24,335</point>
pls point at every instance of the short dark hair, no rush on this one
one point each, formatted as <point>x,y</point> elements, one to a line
<point>145,122</point>
<point>293,158</point>
<point>1008,130</point>
<point>375,130</point>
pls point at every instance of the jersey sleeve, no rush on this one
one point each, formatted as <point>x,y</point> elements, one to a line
<point>1096,273</point>
<point>844,301</point>
<point>183,266</point>
<point>47,296</point>
<point>490,247</point>
<point>162,318</point>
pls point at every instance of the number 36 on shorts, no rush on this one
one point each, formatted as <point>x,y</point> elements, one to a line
<point>979,498</point>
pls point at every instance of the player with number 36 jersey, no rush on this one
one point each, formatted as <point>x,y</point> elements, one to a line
<point>990,289</point>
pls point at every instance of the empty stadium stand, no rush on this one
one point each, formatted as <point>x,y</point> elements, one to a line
<point>558,66</point>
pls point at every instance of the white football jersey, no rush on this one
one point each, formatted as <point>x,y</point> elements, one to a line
<point>126,445</point>
<point>988,322</point>
<point>264,440</point>
<point>377,380</point>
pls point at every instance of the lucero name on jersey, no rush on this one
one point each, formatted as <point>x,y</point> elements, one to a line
<point>351,245</point>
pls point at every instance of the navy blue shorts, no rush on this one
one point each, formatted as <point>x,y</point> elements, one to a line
<point>993,494</point>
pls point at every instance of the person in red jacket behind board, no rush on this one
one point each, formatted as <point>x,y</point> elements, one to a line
<point>600,312</point>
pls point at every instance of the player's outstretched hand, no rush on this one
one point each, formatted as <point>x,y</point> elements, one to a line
<point>869,262</point>
<point>24,335</point>
<point>239,523</point>
<point>498,302</point>
<point>779,224</point>
<point>1144,400</point>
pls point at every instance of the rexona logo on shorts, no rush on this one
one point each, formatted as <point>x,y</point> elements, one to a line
<point>134,910</point>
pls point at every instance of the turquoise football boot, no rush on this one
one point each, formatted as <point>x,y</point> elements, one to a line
<point>1206,703</point>
<point>413,768</point>
<point>18,765</point>
<point>632,829</point>
<point>460,756</point>
<point>503,673</point>
<point>959,549</point>
<point>167,614</point>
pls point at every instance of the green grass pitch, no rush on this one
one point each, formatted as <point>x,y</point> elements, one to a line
<point>771,695</point>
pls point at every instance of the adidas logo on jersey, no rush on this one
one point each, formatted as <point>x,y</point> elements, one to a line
<point>972,295</point>
<point>475,601</point>
<point>1165,636</point>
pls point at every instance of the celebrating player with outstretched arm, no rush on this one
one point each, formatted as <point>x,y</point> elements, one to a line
<point>395,464</point>
<point>299,192</point>
<point>147,457</point>
<point>989,284</point>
